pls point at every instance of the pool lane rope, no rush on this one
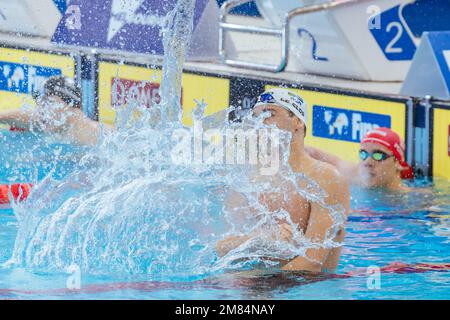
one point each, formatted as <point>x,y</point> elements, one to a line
<point>234,283</point>
<point>17,129</point>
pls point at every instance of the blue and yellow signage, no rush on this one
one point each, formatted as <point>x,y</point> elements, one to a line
<point>23,72</point>
<point>118,85</point>
<point>441,143</point>
<point>338,122</point>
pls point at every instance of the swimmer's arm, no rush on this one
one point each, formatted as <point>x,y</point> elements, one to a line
<point>320,224</point>
<point>16,118</point>
<point>87,132</point>
<point>237,208</point>
<point>226,245</point>
<point>346,168</point>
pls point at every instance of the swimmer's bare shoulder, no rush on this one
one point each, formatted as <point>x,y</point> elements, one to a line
<point>85,131</point>
<point>335,184</point>
<point>347,169</point>
<point>329,178</point>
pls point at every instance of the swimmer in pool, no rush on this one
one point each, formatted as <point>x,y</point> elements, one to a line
<point>382,161</point>
<point>288,112</point>
<point>58,111</point>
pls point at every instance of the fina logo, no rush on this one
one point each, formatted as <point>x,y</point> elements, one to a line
<point>22,78</point>
<point>125,12</point>
<point>14,76</point>
<point>340,122</point>
<point>346,125</point>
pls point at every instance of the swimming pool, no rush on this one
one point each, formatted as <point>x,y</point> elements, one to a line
<point>29,157</point>
<point>382,228</point>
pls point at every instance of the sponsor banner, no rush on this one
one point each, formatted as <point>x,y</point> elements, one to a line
<point>441,142</point>
<point>120,85</point>
<point>124,91</point>
<point>345,125</point>
<point>24,78</point>
<point>247,9</point>
<point>126,25</point>
<point>337,122</point>
<point>23,72</point>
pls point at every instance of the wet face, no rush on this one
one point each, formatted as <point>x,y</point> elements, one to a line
<point>280,117</point>
<point>378,173</point>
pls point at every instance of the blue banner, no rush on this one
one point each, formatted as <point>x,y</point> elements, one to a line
<point>126,25</point>
<point>247,9</point>
<point>345,125</point>
<point>23,78</point>
<point>427,15</point>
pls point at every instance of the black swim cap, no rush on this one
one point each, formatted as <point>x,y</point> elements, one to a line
<point>64,88</point>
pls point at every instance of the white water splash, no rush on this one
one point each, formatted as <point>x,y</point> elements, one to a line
<point>128,209</point>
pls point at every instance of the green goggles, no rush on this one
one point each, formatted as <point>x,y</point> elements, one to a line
<point>376,155</point>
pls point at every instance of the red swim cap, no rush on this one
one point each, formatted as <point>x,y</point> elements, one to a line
<point>19,192</point>
<point>391,140</point>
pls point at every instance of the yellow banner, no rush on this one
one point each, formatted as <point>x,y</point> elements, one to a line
<point>120,84</point>
<point>24,72</point>
<point>441,143</point>
<point>340,121</point>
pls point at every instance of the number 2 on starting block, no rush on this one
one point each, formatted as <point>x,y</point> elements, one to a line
<point>392,35</point>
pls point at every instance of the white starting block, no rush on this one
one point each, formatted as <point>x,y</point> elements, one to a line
<point>355,39</point>
<point>429,74</point>
<point>29,17</point>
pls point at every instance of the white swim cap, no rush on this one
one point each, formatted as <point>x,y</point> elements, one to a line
<point>286,99</point>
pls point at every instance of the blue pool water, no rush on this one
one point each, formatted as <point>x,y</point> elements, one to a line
<point>382,228</point>
<point>28,157</point>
